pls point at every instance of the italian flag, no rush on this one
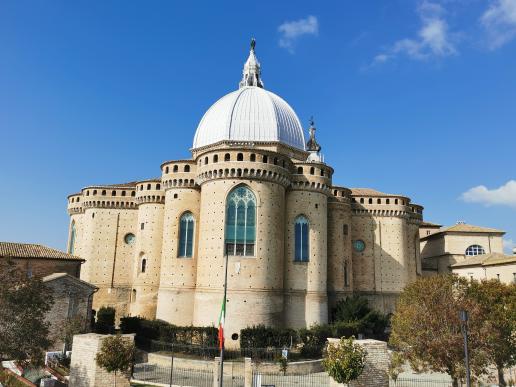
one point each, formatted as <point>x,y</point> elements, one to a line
<point>222,318</point>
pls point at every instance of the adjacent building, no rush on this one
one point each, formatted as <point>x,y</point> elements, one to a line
<point>443,247</point>
<point>256,190</point>
<point>496,266</point>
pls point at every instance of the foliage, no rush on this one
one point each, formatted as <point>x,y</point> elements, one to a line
<point>24,303</point>
<point>426,328</point>
<point>344,362</point>
<point>283,364</point>
<point>497,302</point>
<point>396,365</point>
<point>105,320</point>
<point>314,339</point>
<point>71,327</point>
<point>356,310</point>
<point>8,379</point>
<point>260,336</point>
<point>116,354</point>
<point>169,333</point>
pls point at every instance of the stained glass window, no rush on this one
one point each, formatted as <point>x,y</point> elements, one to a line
<point>186,235</point>
<point>240,222</point>
<point>301,239</point>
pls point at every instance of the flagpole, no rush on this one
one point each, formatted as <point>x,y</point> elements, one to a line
<point>221,378</point>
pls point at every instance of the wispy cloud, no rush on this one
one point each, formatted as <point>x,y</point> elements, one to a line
<point>504,195</point>
<point>433,38</point>
<point>508,246</point>
<point>499,20</point>
<point>291,31</point>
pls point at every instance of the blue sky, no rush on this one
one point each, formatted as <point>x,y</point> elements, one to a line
<point>412,97</point>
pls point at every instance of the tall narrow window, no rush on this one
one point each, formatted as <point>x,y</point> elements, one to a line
<point>71,246</point>
<point>186,234</point>
<point>301,239</point>
<point>240,222</point>
<point>144,264</point>
<point>346,280</point>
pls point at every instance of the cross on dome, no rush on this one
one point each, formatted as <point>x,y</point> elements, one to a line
<point>252,69</point>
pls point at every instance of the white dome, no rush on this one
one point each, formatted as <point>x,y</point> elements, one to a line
<point>250,114</point>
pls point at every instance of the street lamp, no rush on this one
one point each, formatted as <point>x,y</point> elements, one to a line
<point>464,328</point>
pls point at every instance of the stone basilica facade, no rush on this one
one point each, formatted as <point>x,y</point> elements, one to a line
<point>256,190</point>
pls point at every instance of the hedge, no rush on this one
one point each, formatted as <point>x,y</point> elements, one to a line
<point>160,330</point>
<point>260,336</point>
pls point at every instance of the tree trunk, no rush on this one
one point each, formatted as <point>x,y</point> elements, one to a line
<point>455,382</point>
<point>115,379</point>
<point>501,380</point>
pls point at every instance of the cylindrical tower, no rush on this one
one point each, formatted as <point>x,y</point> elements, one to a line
<point>254,224</point>
<point>150,198</point>
<point>306,297</point>
<point>340,264</point>
<point>180,241</point>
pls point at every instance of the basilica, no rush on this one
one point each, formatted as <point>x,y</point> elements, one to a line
<point>257,190</point>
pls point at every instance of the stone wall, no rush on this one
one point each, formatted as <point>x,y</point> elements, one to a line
<point>375,373</point>
<point>84,371</point>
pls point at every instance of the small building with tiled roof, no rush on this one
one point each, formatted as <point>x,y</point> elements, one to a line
<point>447,246</point>
<point>488,266</point>
<point>39,260</point>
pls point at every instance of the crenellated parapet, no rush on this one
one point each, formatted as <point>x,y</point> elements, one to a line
<point>149,191</point>
<point>178,174</point>
<point>244,164</point>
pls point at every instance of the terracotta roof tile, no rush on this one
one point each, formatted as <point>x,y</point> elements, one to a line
<point>486,260</point>
<point>31,250</point>
<point>370,192</point>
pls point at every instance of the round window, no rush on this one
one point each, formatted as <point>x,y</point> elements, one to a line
<point>129,239</point>
<point>359,245</point>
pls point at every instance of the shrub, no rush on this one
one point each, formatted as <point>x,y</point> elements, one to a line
<point>105,320</point>
<point>344,362</point>
<point>314,340</point>
<point>260,336</point>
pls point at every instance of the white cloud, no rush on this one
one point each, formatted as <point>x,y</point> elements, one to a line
<point>291,31</point>
<point>499,20</point>
<point>433,38</point>
<point>508,246</point>
<point>504,195</point>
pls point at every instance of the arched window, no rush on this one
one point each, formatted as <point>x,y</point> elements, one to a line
<point>240,157</point>
<point>71,246</point>
<point>301,239</point>
<point>148,186</point>
<point>475,250</point>
<point>133,193</point>
<point>134,296</point>
<point>187,168</point>
<point>379,201</point>
<point>370,201</point>
<point>299,170</point>
<point>206,160</point>
<point>240,222</point>
<point>123,193</point>
<point>113,193</point>
<point>227,157</point>
<point>144,264</point>
<point>253,157</point>
<point>265,159</point>
<point>186,235</point>
<point>275,161</point>
<point>103,192</point>
<point>312,170</point>
<point>175,169</point>
<point>158,186</point>
<point>166,169</point>
<point>216,159</point>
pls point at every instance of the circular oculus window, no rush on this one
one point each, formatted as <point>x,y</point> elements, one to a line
<point>359,245</point>
<point>129,239</point>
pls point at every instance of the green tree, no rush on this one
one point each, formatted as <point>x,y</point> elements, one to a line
<point>426,328</point>
<point>116,355</point>
<point>24,302</point>
<point>356,311</point>
<point>345,361</point>
<point>105,320</point>
<point>71,327</point>
<point>498,309</point>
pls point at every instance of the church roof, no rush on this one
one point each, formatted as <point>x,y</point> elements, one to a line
<point>486,260</point>
<point>31,250</point>
<point>78,281</point>
<point>250,114</point>
<point>465,228</point>
<point>371,192</point>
